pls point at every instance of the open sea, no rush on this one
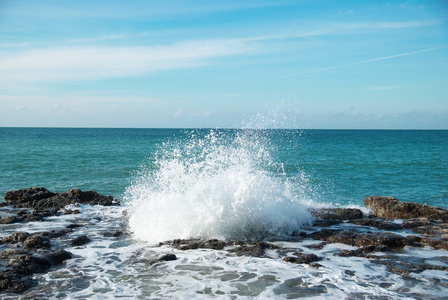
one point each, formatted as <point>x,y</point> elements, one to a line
<point>225,184</point>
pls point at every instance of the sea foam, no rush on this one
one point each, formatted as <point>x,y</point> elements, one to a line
<point>217,184</point>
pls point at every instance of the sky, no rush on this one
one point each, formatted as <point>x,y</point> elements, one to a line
<point>321,64</point>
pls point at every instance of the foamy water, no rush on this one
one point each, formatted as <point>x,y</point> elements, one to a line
<point>112,268</point>
<point>215,186</point>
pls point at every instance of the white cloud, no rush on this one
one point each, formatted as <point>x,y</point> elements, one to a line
<point>91,63</point>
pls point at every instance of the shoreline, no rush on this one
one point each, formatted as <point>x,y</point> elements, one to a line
<point>379,237</point>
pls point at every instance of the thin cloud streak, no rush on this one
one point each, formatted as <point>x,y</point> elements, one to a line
<point>91,63</point>
<point>368,61</point>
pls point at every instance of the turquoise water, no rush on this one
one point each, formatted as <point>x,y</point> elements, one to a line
<point>329,166</point>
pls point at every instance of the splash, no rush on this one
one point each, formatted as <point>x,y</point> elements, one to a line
<point>215,184</point>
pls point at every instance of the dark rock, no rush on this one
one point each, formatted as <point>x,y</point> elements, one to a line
<point>10,220</point>
<point>57,257</point>
<point>364,251</point>
<point>189,244</point>
<point>340,214</point>
<point>352,238</point>
<point>301,258</point>
<point>16,237</point>
<point>28,264</point>
<point>42,199</point>
<point>25,197</point>
<point>11,282</point>
<point>80,240</point>
<point>377,223</point>
<point>168,257</point>
<point>317,246</point>
<point>325,222</point>
<point>256,249</point>
<point>391,208</point>
<point>37,242</point>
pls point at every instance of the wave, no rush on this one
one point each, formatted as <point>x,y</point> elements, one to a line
<point>215,184</point>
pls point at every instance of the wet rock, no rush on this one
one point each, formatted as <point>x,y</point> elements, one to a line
<point>28,264</point>
<point>377,223</point>
<point>352,238</point>
<point>165,257</point>
<point>42,199</point>
<point>26,197</point>
<point>436,243</point>
<point>57,257</point>
<point>10,220</point>
<point>80,240</point>
<point>11,282</point>
<point>325,222</point>
<point>190,244</point>
<point>257,249</point>
<point>37,242</point>
<point>16,237</point>
<point>391,208</point>
<point>364,251</point>
<point>340,214</point>
<point>301,258</point>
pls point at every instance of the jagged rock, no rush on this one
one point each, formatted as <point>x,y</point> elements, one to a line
<point>256,249</point>
<point>28,264</point>
<point>301,258</point>
<point>42,199</point>
<point>25,197</point>
<point>36,242</point>
<point>57,257</point>
<point>364,251</point>
<point>377,223</point>
<point>391,208</point>
<point>352,238</point>
<point>340,214</point>
<point>189,244</point>
<point>11,282</point>
<point>15,237</point>
<point>80,240</point>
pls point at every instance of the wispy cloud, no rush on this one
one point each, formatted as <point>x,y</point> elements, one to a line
<point>387,88</point>
<point>368,61</point>
<point>91,63</point>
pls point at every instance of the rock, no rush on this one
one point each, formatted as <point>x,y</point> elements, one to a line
<point>57,257</point>
<point>301,258</point>
<point>37,242</point>
<point>11,220</point>
<point>11,282</point>
<point>391,208</point>
<point>16,237</point>
<point>189,244</point>
<point>377,223</point>
<point>25,197</point>
<point>352,238</point>
<point>29,264</point>
<point>80,240</point>
<point>256,249</point>
<point>44,200</point>
<point>168,257</point>
<point>340,214</point>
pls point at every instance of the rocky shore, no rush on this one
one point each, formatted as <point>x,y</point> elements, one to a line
<point>379,236</point>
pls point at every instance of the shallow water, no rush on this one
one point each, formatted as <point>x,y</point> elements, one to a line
<point>117,267</point>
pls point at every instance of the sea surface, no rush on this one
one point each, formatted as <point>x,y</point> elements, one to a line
<point>228,184</point>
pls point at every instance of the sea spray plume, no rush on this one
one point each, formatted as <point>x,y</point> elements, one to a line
<point>214,184</point>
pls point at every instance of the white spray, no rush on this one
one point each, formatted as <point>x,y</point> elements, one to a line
<point>214,185</point>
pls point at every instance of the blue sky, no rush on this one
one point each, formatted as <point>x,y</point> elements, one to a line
<point>306,64</point>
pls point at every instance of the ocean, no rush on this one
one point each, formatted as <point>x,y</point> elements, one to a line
<point>226,184</point>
